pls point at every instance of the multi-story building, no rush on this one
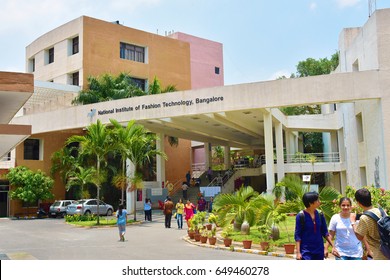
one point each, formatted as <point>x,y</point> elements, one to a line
<point>354,118</point>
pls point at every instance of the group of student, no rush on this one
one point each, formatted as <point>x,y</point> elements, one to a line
<point>346,229</point>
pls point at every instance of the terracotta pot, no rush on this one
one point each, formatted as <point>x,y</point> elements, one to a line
<point>264,245</point>
<point>289,248</point>
<point>247,244</point>
<point>191,234</point>
<point>203,239</point>
<point>227,242</point>
<point>197,236</point>
<point>209,226</point>
<point>213,240</point>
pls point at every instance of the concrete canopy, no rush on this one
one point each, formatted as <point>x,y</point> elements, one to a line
<point>15,90</point>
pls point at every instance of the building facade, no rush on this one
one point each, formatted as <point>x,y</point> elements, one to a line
<point>354,119</point>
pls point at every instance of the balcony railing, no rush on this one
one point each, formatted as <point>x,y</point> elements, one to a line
<point>307,158</point>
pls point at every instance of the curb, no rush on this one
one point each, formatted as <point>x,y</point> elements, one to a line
<point>237,248</point>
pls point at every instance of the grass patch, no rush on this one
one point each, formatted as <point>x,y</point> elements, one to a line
<point>255,236</point>
<point>103,222</point>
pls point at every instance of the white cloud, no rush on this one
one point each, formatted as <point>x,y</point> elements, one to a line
<point>347,3</point>
<point>313,6</point>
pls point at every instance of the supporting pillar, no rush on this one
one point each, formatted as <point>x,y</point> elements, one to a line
<point>208,154</point>
<point>130,171</point>
<point>160,164</point>
<point>269,151</point>
<point>279,150</point>
<point>226,158</point>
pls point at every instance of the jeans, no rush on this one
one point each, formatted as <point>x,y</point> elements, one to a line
<point>179,218</point>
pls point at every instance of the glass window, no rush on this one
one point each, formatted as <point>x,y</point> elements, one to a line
<point>132,52</point>
<point>75,79</point>
<point>75,45</point>
<point>216,70</point>
<point>31,149</point>
<point>51,55</point>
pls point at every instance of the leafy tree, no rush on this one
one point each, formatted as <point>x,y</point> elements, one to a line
<point>82,177</point>
<point>30,186</point>
<point>63,161</point>
<point>312,141</point>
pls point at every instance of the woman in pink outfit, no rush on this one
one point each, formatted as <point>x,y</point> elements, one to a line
<point>189,212</point>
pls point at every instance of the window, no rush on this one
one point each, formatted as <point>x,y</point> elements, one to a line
<point>51,55</point>
<point>132,52</point>
<point>216,70</point>
<point>139,83</point>
<point>32,149</point>
<point>75,45</point>
<point>75,79</point>
<point>359,127</point>
<point>31,65</point>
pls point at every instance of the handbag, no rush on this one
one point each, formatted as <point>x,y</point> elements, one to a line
<point>175,215</point>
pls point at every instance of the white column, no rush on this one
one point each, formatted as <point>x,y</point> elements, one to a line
<point>279,150</point>
<point>130,171</point>
<point>226,157</point>
<point>269,151</point>
<point>160,164</point>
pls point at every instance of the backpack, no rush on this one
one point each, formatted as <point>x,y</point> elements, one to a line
<point>384,230</point>
<point>302,219</point>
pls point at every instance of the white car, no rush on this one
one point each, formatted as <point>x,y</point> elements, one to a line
<point>58,208</point>
<point>88,207</point>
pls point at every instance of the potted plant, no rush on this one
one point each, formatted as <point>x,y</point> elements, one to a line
<point>265,236</point>
<point>212,237</point>
<point>289,247</point>
<point>247,243</point>
<point>204,235</point>
<point>225,234</point>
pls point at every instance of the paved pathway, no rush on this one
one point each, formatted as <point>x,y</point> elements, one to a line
<point>53,239</point>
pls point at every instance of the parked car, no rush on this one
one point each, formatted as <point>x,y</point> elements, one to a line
<point>88,207</point>
<point>58,208</point>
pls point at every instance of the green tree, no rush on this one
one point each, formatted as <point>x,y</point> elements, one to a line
<point>123,139</point>
<point>30,186</point>
<point>81,177</point>
<point>108,87</point>
<point>142,151</point>
<point>63,161</point>
<point>97,143</point>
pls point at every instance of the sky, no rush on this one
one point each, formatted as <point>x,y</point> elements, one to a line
<point>262,40</point>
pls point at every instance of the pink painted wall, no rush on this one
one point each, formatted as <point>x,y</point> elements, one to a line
<point>205,56</point>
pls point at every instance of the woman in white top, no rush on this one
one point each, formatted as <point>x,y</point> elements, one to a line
<point>346,245</point>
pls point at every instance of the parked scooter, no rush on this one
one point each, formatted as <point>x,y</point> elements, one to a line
<point>42,213</point>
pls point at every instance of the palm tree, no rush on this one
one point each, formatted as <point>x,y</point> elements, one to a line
<point>294,190</point>
<point>81,177</point>
<point>142,150</point>
<point>63,162</point>
<point>239,207</point>
<point>96,142</point>
<point>123,138</point>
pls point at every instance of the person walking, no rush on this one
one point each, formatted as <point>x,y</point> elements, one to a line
<point>168,207</point>
<point>188,178</point>
<point>366,227</point>
<point>148,209</point>
<point>346,245</point>
<point>189,212</point>
<point>121,216</point>
<point>210,174</point>
<point>184,187</point>
<point>179,213</point>
<point>201,204</point>
<point>310,228</point>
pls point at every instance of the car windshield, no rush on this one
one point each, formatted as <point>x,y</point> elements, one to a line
<point>56,203</point>
<point>79,201</point>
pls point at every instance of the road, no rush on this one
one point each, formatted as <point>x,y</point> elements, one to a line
<point>53,239</point>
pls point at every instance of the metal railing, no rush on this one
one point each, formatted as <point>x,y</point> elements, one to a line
<point>307,158</point>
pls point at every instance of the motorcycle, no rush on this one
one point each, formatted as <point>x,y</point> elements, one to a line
<point>42,213</point>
